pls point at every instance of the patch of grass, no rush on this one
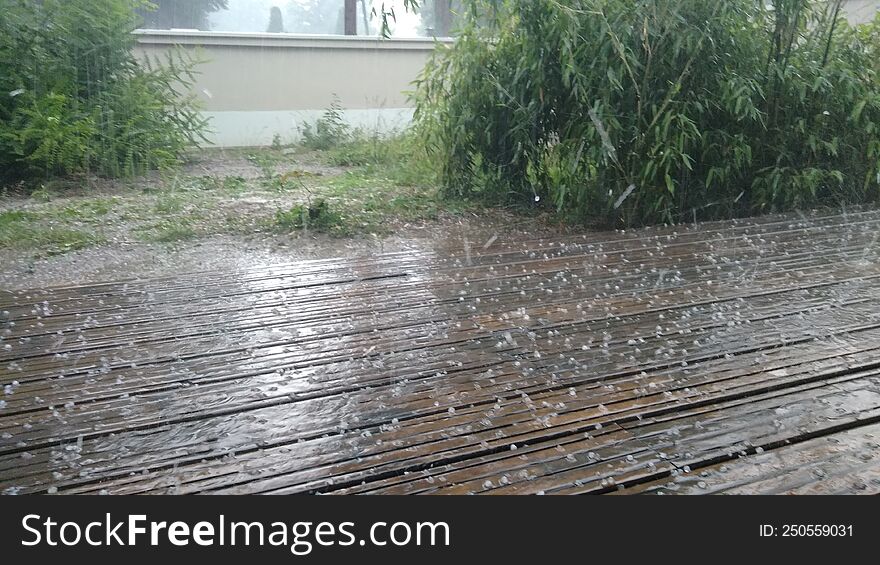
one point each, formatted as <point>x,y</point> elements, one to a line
<point>284,183</point>
<point>266,160</point>
<point>87,210</point>
<point>390,185</point>
<point>398,159</point>
<point>403,204</point>
<point>57,241</point>
<point>168,204</point>
<point>22,230</point>
<point>12,217</point>
<point>318,217</point>
<point>42,194</point>
<point>383,186</point>
<point>237,224</point>
<point>170,232</point>
<point>234,185</point>
<point>359,153</point>
<point>380,196</point>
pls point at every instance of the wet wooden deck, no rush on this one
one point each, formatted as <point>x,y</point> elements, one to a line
<point>739,357</point>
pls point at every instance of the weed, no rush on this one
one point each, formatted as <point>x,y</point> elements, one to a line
<point>318,217</point>
<point>168,204</point>
<point>42,194</point>
<point>87,210</point>
<point>231,185</point>
<point>266,161</point>
<point>329,130</point>
<point>170,232</point>
<point>399,158</point>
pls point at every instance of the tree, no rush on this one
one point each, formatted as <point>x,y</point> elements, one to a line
<point>442,17</point>
<point>185,14</point>
<point>351,17</point>
<point>276,20</point>
<point>432,25</point>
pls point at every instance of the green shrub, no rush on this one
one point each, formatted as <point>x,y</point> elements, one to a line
<point>75,99</point>
<point>328,131</point>
<point>637,111</point>
<point>49,134</point>
<point>318,217</point>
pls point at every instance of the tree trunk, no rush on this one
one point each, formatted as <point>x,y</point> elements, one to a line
<point>351,10</point>
<point>443,17</point>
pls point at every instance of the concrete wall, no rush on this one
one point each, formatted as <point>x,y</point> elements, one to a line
<point>255,86</point>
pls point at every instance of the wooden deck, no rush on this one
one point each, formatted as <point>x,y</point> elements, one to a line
<point>739,357</point>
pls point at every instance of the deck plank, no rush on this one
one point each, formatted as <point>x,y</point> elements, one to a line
<point>643,361</point>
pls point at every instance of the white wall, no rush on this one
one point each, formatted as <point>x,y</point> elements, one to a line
<point>255,86</point>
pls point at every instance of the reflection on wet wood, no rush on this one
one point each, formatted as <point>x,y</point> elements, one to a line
<point>739,357</point>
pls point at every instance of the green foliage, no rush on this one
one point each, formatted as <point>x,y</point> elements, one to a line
<point>318,217</point>
<point>869,35</point>
<point>231,185</point>
<point>328,131</point>
<point>18,229</point>
<point>387,15</point>
<point>637,111</point>
<point>75,99</point>
<point>171,232</point>
<point>266,161</point>
<point>169,203</point>
<point>50,134</point>
<point>399,158</point>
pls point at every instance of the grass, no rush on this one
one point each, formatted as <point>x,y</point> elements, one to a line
<point>397,159</point>
<point>384,182</point>
<point>168,203</point>
<point>319,217</point>
<point>365,185</point>
<point>267,160</point>
<point>170,232</point>
<point>88,210</point>
<point>361,201</point>
<point>232,185</point>
<point>20,230</point>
